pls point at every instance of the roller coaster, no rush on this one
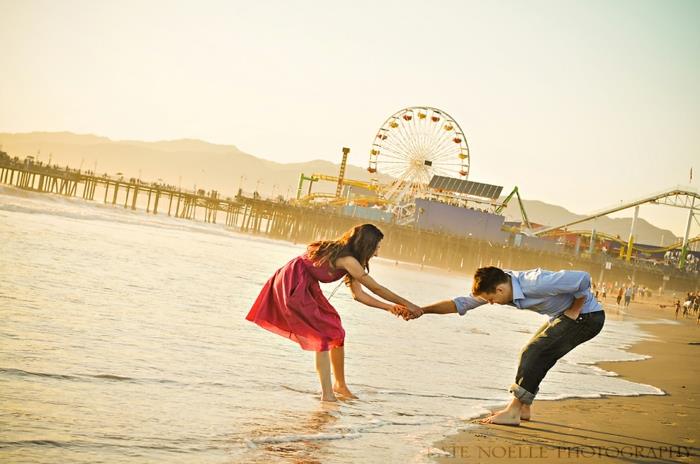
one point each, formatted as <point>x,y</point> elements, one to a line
<point>334,198</point>
<point>678,197</point>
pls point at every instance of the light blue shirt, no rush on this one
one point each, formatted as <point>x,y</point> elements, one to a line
<point>545,292</point>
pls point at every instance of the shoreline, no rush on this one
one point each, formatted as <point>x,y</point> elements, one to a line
<point>646,428</point>
<point>452,253</point>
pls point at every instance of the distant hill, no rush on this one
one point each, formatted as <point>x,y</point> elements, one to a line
<point>195,162</point>
<point>183,162</point>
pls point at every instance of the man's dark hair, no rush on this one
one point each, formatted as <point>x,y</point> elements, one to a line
<point>486,279</point>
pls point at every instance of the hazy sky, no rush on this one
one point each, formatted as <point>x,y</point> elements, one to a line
<point>579,103</point>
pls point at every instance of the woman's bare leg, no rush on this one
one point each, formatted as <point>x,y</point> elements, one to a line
<point>338,361</point>
<point>323,367</point>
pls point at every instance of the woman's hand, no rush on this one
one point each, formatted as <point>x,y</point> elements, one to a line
<point>407,313</point>
<point>399,310</point>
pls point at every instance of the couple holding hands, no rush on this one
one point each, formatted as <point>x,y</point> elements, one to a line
<point>292,305</point>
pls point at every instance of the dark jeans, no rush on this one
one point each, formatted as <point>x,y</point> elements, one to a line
<point>551,342</point>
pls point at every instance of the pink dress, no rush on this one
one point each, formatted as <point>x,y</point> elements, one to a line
<point>292,305</point>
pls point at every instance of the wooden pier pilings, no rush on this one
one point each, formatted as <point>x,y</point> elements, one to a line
<point>297,224</point>
<point>128,193</point>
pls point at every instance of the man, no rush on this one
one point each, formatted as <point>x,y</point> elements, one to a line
<point>628,295</point>
<point>564,296</point>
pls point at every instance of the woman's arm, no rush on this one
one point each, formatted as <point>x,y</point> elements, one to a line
<point>358,274</point>
<point>359,295</point>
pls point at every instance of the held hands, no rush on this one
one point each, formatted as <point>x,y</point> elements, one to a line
<point>408,313</point>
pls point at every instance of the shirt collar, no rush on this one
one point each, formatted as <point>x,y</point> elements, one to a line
<point>517,290</point>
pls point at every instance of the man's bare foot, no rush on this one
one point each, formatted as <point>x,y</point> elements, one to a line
<point>505,417</point>
<point>524,413</point>
<point>329,398</point>
<point>343,390</point>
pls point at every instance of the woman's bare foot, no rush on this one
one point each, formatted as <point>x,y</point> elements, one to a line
<point>508,416</point>
<point>343,390</point>
<point>329,398</point>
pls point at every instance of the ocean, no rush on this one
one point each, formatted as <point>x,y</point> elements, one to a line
<point>123,340</point>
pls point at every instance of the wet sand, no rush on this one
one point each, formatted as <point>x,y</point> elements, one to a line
<point>610,429</point>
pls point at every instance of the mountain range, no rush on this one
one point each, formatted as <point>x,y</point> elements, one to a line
<point>195,163</point>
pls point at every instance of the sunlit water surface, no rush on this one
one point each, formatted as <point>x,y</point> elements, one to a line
<point>123,340</point>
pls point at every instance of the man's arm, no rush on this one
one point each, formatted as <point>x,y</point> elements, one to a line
<point>459,305</point>
<point>441,307</point>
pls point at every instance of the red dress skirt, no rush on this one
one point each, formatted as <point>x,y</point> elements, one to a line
<point>292,305</point>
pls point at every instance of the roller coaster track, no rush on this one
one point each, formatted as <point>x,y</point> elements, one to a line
<point>350,182</point>
<point>679,197</point>
<point>332,199</point>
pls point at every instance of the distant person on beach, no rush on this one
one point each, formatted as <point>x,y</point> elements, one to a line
<point>619,295</point>
<point>575,316</point>
<point>628,295</point>
<point>678,307</point>
<point>291,303</point>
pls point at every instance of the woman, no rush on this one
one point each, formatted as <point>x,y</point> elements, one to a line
<point>292,305</point>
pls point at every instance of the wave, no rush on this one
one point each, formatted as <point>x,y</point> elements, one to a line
<point>111,377</point>
<point>254,442</point>
<point>106,377</point>
<point>338,433</point>
<point>165,445</point>
<point>73,377</point>
<point>12,371</point>
<point>658,321</point>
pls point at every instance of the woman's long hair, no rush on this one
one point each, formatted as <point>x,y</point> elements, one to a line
<point>359,242</point>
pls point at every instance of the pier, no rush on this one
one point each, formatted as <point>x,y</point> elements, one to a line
<point>303,224</point>
<point>133,193</point>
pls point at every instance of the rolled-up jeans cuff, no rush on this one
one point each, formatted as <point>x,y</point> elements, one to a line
<point>523,395</point>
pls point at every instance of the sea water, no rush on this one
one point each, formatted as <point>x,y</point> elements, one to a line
<point>123,339</point>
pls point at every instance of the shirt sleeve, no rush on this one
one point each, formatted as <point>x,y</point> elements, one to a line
<point>465,303</point>
<point>577,283</point>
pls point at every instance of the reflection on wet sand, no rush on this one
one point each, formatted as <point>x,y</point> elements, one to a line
<point>303,441</point>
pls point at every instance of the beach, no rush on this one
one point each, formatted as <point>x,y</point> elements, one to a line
<point>613,428</point>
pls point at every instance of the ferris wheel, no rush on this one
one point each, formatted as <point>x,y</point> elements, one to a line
<point>412,146</point>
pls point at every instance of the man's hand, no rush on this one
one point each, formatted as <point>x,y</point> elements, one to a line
<point>575,310</point>
<point>572,313</point>
<point>415,312</point>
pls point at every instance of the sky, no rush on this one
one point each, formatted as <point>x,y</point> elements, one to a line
<point>579,103</point>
